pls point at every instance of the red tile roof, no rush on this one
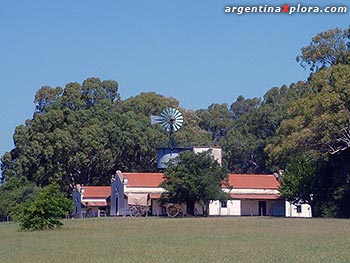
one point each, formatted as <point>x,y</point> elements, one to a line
<point>253,181</point>
<point>144,179</point>
<point>155,196</point>
<point>238,181</point>
<point>255,197</point>
<point>96,191</point>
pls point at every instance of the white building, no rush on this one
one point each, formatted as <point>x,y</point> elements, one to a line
<point>256,195</point>
<point>91,201</point>
<point>249,195</point>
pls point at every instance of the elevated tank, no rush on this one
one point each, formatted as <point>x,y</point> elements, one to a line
<point>164,155</point>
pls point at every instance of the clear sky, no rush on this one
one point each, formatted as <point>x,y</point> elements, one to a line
<point>187,49</point>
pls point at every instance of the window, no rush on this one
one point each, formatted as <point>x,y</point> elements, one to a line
<point>298,207</point>
<point>224,204</point>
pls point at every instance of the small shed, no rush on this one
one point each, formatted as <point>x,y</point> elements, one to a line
<point>90,201</point>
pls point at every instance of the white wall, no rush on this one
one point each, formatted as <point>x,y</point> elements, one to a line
<point>233,208</point>
<point>156,209</point>
<point>273,207</point>
<point>251,208</point>
<point>279,208</point>
<point>291,210</point>
<point>215,151</point>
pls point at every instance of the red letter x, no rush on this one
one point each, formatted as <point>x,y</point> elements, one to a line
<point>285,9</point>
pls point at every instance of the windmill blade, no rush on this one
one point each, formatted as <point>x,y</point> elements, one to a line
<point>166,113</point>
<point>177,125</point>
<point>177,114</point>
<point>156,119</point>
<point>170,119</point>
<point>166,126</point>
<point>174,118</point>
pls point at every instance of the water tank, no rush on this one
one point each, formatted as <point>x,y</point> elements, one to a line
<point>164,155</point>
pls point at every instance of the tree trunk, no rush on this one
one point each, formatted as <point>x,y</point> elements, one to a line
<point>206,209</point>
<point>190,207</point>
<point>315,209</point>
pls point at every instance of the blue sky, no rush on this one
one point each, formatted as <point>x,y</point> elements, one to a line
<point>190,50</point>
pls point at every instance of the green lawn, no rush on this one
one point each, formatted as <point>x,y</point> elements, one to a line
<point>234,239</point>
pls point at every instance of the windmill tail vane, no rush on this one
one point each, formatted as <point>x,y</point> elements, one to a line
<point>156,119</point>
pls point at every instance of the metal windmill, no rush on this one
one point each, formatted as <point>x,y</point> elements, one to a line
<point>171,120</point>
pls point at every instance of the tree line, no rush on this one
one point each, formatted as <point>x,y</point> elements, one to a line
<point>82,133</point>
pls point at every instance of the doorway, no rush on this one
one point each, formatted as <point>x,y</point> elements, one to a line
<point>262,208</point>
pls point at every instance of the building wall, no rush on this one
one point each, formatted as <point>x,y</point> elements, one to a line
<point>117,206</point>
<point>252,207</point>
<point>245,208</point>
<point>164,155</point>
<point>76,203</point>
<point>158,210</point>
<point>215,151</point>
<point>241,208</point>
<point>304,210</point>
<point>279,208</point>
<point>249,208</point>
<point>92,211</point>
<point>233,208</point>
<point>198,210</point>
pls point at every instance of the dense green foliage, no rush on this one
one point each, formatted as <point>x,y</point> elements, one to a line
<point>298,181</point>
<point>45,211</point>
<point>192,177</point>
<point>82,133</point>
<point>15,191</point>
<point>326,49</point>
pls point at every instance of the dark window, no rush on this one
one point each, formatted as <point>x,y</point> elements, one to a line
<point>298,208</point>
<point>224,204</point>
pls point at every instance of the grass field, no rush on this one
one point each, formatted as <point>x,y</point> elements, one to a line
<point>236,239</point>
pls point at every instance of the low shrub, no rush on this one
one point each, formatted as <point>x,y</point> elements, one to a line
<point>45,211</point>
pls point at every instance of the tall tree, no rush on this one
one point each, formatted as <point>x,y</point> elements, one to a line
<point>242,106</point>
<point>216,120</point>
<point>254,126</point>
<point>299,182</point>
<point>315,122</point>
<point>13,192</point>
<point>326,49</point>
<point>69,137</point>
<point>194,178</point>
<point>336,179</point>
<point>83,133</point>
<point>45,97</point>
